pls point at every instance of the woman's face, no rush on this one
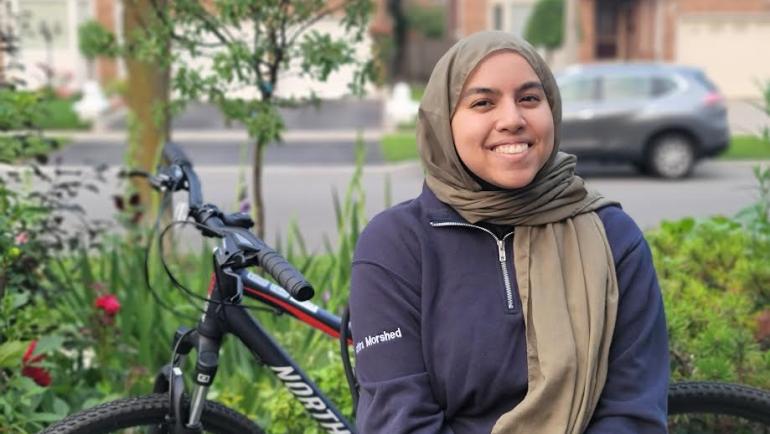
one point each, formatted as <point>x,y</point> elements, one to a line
<point>503,127</point>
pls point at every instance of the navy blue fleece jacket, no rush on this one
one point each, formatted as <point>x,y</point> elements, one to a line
<point>439,336</point>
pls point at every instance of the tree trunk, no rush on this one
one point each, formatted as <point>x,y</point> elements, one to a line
<point>258,205</point>
<point>148,86</point>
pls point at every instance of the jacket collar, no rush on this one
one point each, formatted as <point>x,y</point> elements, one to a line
<point>435,210</point>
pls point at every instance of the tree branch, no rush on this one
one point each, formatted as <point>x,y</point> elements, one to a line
<point>309,23</point>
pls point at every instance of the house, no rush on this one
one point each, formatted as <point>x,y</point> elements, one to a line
<point>48,40</point>
<point>726,38</point>
<point>48,32</point>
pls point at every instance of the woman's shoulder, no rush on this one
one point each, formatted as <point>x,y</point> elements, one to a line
<point>623,234</point>
<point>391,233</point>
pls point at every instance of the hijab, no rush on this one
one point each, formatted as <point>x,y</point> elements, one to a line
<point>564,267</point>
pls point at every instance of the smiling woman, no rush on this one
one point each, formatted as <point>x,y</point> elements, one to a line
<point>523,302</point>
<point>502,126</point>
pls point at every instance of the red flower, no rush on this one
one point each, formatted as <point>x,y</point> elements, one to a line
<point>108,303</point>
<point>21,238</point>
<point>40,375</point>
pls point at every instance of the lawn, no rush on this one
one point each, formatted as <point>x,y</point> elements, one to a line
<point>402,145</point>
<point>59,114</point>
<point>399,146</point>
<point>747,148</point>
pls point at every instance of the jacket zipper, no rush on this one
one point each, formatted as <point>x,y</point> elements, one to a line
<point>500,255</point>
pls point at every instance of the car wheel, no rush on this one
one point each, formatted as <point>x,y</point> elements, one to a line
<point>641,167</point>
<point>671,156</point>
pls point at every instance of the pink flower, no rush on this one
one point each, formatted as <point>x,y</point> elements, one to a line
<point>21,238</point>
<point>40,375</point>
<point>108,303</point>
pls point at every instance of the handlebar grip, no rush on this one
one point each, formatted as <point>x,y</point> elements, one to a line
<point>175,154</point>
<point>285,274</point>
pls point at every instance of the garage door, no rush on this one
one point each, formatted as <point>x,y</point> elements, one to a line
<point>732,49</point>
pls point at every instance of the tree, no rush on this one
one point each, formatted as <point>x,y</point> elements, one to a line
<point>545,27</point>
<point>147,83</point>
<point>148,95</point>
<point>233,52</point>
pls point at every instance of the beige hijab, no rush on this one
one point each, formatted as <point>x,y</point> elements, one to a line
<point>564,267</point>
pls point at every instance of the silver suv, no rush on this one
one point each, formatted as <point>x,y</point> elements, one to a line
<point>662,118</point>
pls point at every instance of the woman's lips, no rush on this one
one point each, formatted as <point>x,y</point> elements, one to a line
<point>511,148</point>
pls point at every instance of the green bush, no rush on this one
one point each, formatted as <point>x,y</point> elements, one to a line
<point>545,27</point>
<point>95,40</point>
<point>427,20</point>
<point>715,279</point>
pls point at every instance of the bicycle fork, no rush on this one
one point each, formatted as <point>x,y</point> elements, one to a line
<point>206,338</point>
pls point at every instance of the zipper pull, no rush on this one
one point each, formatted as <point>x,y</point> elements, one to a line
<point>501,250</point>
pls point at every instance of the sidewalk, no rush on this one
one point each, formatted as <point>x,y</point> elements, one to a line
<point>116,137</point>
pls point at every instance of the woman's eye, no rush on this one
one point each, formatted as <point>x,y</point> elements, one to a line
<point>483,103</point>
<point>530,98</point>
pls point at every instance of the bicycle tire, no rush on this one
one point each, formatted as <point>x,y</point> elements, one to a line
<point>720,399</point>
<point>148,411</point>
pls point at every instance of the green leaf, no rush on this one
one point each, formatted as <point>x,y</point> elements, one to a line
<point>48,343</point>
<point>11,353</point>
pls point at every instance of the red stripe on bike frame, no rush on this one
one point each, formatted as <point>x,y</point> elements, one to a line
<point>212,283</point>
<point>302,316</point>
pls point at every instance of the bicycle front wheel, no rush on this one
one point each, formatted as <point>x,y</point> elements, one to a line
<point>147,414</point>
<point>711,407</point>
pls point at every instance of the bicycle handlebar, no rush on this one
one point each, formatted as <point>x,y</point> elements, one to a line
<point>209,216</point>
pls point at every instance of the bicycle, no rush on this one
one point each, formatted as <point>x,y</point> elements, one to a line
<point>170,410</point>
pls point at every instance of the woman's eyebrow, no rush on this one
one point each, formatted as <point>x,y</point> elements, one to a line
<point>480,90</point>
<point>530,85</point>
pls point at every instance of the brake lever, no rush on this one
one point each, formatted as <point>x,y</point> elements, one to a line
<point>169,179</point>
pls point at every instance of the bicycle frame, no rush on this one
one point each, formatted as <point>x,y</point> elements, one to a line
<point>236,320</point>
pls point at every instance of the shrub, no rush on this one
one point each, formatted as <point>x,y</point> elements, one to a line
<point>545,27</point>
<point>31,326</point>
<point>716,286</point>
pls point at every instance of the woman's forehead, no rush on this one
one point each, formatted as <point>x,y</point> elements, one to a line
<point>502,67</point>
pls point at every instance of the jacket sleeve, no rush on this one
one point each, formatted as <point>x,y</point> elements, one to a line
<point>634,399</point>
<point>395,390</point>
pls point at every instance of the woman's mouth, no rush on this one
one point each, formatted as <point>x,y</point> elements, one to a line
<point>511,149</point>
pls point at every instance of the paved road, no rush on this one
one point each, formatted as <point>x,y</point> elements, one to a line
<point>304,193</point>
<point>229,150</point>
<point>330,114</point>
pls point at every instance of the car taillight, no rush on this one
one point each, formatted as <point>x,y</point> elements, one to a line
<point>713,98</point>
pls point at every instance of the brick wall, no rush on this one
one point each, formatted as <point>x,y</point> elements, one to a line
<point>473,16</point>
<point>693,6</point>
<point>586,30</point>
<point>104,13</point>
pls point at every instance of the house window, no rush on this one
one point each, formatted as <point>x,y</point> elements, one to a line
<point>44,22</point>
<point>497,16</point>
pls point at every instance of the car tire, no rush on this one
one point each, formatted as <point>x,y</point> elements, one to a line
<point>671,156</point>
<point>641,167</point>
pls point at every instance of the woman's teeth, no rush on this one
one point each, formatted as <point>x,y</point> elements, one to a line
<point>517,148</point>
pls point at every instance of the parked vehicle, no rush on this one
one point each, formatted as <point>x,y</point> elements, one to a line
<point>660,117</point>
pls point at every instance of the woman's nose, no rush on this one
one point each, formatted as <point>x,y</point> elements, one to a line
<point>510,117</point>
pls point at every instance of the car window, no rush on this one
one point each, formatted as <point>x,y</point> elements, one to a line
<point>662,86</point>
<point>702,79</point>
<point>626,87</point>
<point>577,89</point>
